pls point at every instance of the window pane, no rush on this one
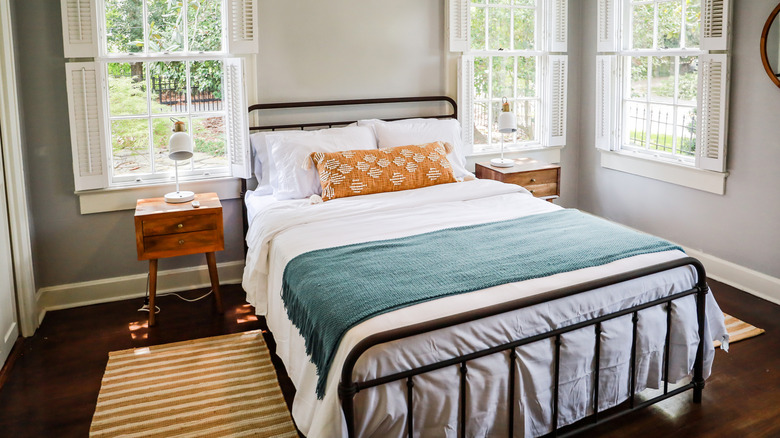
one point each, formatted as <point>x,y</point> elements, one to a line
<point>162,129</point>
<point>166,26</point>
<point>686,131</point>
<point>169,82</point>
<point>124,26</point>
<point>209,142</point>
<point>525,2</point>
<point>204,25</point>
<point>663,79</point>
<point>662,128</point>
<point>526,76</point>
<point>642,26</point>
<point>206,86</point>
<point>499,29</point>
<point>481,75</point>
<point>639,77</point>
<point>130,147</point>
<point>525,110</point>
<point>481,124</point>
<point>689,80</point>
<point>636,124</point>
<point>127,89</point>
<point>477,28</point>
<point>692,23</point>
<point>669,24</point>
<point>500,2</point>
<point>525,24</point>
<point>503,70</point>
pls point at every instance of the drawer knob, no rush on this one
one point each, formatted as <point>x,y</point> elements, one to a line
<point>532,180</point>
<point>181,242</point>
<point>180,226</point>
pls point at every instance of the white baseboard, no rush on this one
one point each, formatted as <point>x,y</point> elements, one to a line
<point>132,286</point>
<point>753,282</point>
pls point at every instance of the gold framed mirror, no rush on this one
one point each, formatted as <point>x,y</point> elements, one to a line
<point>770,46</point>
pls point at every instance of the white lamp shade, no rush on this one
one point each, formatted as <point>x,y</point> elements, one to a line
<point>507,122</point>
<point>180,146</point>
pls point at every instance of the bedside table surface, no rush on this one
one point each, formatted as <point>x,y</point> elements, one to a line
<point>150,206</point>
<point>521,165</point>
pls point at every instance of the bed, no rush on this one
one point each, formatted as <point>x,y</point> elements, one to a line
<point>552,354</point>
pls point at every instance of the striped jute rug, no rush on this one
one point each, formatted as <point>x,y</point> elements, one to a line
<point>738,330</point>
<point>223,386</point>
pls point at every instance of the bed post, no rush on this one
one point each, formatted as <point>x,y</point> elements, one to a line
<point>347,391</point>
<point>698,365</point>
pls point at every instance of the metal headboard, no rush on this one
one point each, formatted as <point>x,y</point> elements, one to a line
<point>334,103</point>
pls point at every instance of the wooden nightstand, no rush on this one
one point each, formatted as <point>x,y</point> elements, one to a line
<point>170,230</point>
<point>541,179</point>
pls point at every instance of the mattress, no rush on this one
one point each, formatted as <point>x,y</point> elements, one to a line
<point>282,230</point>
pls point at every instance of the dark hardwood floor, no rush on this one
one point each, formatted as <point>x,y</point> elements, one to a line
<point>52,387</point>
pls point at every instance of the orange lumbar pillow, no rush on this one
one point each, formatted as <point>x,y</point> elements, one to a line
<point>361,172</point>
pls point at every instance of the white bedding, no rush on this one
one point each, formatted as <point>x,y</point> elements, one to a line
<point>281,230</point>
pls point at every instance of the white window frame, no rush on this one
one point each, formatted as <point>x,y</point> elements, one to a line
<point>549,50</point>
<point>707,169</point>
<point>83,37</point>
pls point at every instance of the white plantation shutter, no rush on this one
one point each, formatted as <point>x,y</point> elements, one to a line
<point>557,69</point>
<point>607,40</point>
<point>605,101</point>
<point>458,25</point>
<point>715,20</point>
<point>713,112</point>
<point>79,28</point>
<point>237,119</point>
<point>242,26</point>
<point>466,102</point>
<point>87,130</point>
<point>559,18</point>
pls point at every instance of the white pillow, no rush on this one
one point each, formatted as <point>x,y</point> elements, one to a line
<point>289,151</point>
<point>421,131</point>
<point>261,162</point>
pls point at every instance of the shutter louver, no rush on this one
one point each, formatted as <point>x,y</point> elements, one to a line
<point>242,27</point>
<point>557,71</point>
<point>559,25</point>
<point>604,102</point>
<point>713,110</point>
<point>87,131</point>
<point>237,119</point>
<point>715,17</point>
<point>466,102</point>
<point>458,25</point>
<point>607,26</point>
<point>79,28</point>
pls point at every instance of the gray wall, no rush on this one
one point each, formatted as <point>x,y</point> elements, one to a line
<point>742,226</point>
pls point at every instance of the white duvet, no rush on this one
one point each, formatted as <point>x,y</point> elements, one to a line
<point>282,230</point>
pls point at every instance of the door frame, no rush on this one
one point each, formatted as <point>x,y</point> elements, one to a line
<point>13,163</point>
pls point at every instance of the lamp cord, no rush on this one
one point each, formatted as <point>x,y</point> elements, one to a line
<point>145,306</point>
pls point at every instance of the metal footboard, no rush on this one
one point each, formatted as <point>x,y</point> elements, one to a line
<point>348,387</point>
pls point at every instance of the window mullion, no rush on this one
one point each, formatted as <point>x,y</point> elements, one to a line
<point>490,102</point>
<point>145,26</point>
<point>648,103</point>
<point>188,90</point>
<point>184,21</point>
<point>675,101</point>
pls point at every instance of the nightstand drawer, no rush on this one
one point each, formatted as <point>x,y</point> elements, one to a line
<point>182,243</point>
<point>161,226</point>
<point>538,177</point>
<point>543,190</point>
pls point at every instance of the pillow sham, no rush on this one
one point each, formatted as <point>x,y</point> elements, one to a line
<point>421,131</point>
<point>362,172</point>
<point>288,152</point>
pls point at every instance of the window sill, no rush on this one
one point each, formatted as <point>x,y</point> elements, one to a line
<point>704,180</point>
<point>124,198</point>
<point>551,154</point>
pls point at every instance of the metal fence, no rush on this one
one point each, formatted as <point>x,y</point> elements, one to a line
<point>663,130</point>
<point>173,94</point>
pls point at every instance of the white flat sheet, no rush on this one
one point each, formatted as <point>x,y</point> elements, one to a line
<point>281,230</point>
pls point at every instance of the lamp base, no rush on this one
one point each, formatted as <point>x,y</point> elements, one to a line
<point>179,197</point>
<point>502,162</point>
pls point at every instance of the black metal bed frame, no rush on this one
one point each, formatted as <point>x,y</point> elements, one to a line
<point>349,387</point>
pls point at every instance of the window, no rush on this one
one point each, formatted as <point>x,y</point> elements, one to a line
<point>663,80</point>
<point>511,49</point>
<point>153,61</point>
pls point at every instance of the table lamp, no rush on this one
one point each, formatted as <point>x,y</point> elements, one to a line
<point>180,148</point>
<point>506,124</point>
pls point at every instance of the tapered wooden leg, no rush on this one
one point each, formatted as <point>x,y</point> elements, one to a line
<point>152,290</point>
<point>212,262</point>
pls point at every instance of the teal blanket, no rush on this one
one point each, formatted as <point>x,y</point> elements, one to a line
<point>328,291</point>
